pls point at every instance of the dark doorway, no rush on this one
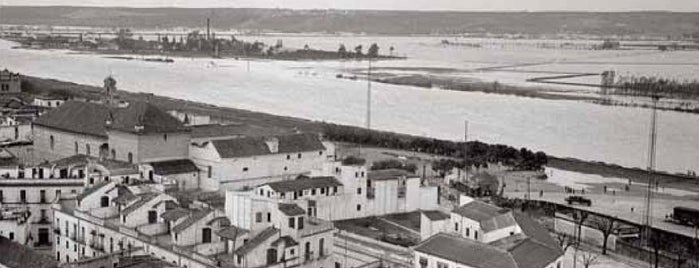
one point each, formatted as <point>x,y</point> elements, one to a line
<point>271,256</point>
<point>206,235</point>
<point>104,201</point>
<point>43,236</point>
<point>152,216</point>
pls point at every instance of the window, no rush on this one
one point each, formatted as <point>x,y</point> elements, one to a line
<point>113,154</point>
<point>334,189</point>
<point>468,232</point>
<point>76,147</point>
<point>58,193</point>
<point>1,196</point>
<point>359,207</point>
<point>23,196</point>
<point>58,256</point>
<point>258,217</point>
<point>104,201</point>
<point>42,196</point>
<point>269,217</point>
<point>12,236</point>
<point>299,156</point>
<point>456,226</point>
<point>271,256</point>
<point>475,235</point>
<point>320,153</point>
<point>165,137</point>
<point>359,190</point>
<point>208,171</point>
<point>130,158</point>
<point>292,222</point>
<point>87,149</point>
<point>442,265</point>
<point>322,190</point>
<point>288,157</point>
<point>245,169</point>
<point>321,247</point>
<point>313,191</point>
<point>300,223</point>
<point>423,262</point>
<point>51,142</point>
<point>206,235</point>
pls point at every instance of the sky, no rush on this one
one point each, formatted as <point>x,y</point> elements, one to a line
<point>464,5</point>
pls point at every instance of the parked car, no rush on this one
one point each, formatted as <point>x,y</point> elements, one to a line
<point>686,216</point>
<point>578,199</point>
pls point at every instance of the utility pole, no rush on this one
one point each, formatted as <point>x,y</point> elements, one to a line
<point>368,98</point>
<point>651,177</point>
<point>465,157</point>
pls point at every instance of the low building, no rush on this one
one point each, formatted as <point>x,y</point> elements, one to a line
<point>480,235</point>
<point>14,224</point>
<point>49,101</point>
<point>10,82</point>
<point>249,161</point>
<point>181,174</point>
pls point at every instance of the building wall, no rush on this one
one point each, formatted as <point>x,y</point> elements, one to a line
<point>14,230</point>
<point>16,133</point>
<point>41,214</point>
<point>93,201</point>
<point>149,148</point>
<point>236,173</point>
<point>140,216</point>
<point>48,102</point>
<point>64,144</point>
<point>10,86</point>
<point>428,228</point>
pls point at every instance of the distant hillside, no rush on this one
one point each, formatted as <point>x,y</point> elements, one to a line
<point>363,21</point>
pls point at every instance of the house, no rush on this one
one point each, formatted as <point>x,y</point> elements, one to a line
<point>180,174</point>
<point>10,82</point>
<point>136,133</point>
<point>14,224</point>
<point>343,192</point>
<point>49,101</point>
<point>481,235</point>
<point>248,161</point>
<point>14,255</point>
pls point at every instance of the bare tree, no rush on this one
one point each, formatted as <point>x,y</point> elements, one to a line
<point>589,259</point>
<point>565,241</point>
<point>607,226</point>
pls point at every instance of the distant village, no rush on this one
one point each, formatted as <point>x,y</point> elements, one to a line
<point>111,183</point>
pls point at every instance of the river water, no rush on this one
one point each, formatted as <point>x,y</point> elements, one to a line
<point>310,90</point>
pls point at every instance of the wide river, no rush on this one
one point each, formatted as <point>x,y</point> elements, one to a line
<point>310,90</point>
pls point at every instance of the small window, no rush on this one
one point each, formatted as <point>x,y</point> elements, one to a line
<point>269,217</point>
<point>359,190</point>
<point>130,158</point>
<point>300,223</point>
<point>245,169</point>
<point>292,222</point>
<point>165,137</point>
<point>313,191</point>
<point>456,226</point>
<point>359,207</point>
<point>468,232</point>
<point>299,156</point>
<point>475,235</point>
<point>320,153</point>
<point>288,157</point>
<point>52,142</point>
<point>208,171</point>
<point>258,217</point>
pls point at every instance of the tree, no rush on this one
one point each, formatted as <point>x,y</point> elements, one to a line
<point>607,226</point>
<point>588,259</point>
<point>565,241</point>
<point>373,51</point>
<point>342,51</point>
<point>358,50</point>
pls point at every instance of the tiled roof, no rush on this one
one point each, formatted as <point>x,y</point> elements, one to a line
<point>144,198</point>
<point>171,167</point>
<point>287,240</point>
<point>194,216</point>
<point>489,216</point>
<point>387,174</point>
<point>291,209</point>
<point>175,214</point>
<point>91,119</point>
<point>253,146</point>
<point>124,195</point>
<point>257,240</point>
<point>466,251</point>
<point>15,255</point>
<point>231,232</point>
<point>435,215</point>
<point>302,183</point>
<point>536,231</point>
<point>214,131</point>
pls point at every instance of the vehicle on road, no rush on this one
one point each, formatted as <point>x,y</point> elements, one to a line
<point>579,200</point>
<point>686,216</point>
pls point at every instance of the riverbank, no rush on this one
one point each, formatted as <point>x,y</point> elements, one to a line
<point>280,124</point>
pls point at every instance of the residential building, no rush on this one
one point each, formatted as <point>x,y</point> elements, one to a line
<point>480,235</point>
<point>249,161</point>
<point>10,82</point>
<point>180,174</point>
<point>14,223</point>
<point>137,219</point>
<point>49,101</point>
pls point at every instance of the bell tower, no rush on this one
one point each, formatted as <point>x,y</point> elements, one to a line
<point>110,90</point>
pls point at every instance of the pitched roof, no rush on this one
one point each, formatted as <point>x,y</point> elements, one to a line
<point>144,198</point>
<point>435,215</point>
<point>232,130</point>
<point>303,183</point>
<point>175,214</point>
<point>88,191</point>
<point>466,251</point>
<point>253,146</point>
<point>231,232</point>
<point>194,216</point>
<point>171,167</point>
<point>287,240</point>
<point>291,209</point>
<point>387,174</point>
<point>257,240</point>
<point>124,195</point>
<point>489,216</point>
<point>91,119</point>
<point>15,255</point>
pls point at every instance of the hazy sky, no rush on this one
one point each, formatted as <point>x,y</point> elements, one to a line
<point>476,5</point>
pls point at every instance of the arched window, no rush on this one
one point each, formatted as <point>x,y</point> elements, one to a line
<point>130,158</point>
<point>87,149</point>
<point>104,201</point>
<point>76,147</point>
<point>52,142</point>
